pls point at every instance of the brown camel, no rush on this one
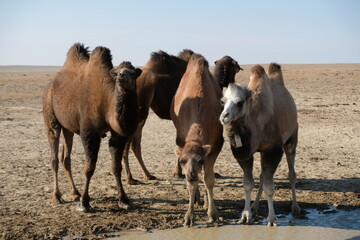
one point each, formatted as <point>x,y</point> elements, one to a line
<point>225,71</point>
<point>195,112</point>
<point>89,98</point>
<point>262,118</point>
<point>156,88</point>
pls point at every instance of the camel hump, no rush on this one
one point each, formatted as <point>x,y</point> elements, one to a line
<point>257,71</point>
<point>101,58</point>
<point>78,53</point>
<point>200,60</point>
<point>185,54</point>
<point>159,56</point>
<point>274,68</point>
<point>275,73</point>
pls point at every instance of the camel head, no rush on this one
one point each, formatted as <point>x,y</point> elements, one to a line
<point>125,75</point>
<point>225,71</point>
<point>191,158</point>
<point>235,101</point>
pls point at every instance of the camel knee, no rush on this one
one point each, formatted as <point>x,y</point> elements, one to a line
<point>269,188</point>
<point>248,183</point>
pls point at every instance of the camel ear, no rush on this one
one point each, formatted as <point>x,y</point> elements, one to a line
<point>138,72</point>
<point>207,149</point>
<point>177,151</point>
<point>112,73</point>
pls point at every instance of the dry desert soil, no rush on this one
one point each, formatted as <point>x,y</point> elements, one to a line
<point>327,162</point>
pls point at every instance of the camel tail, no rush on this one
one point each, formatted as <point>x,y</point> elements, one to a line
<point>100,59</point>
<point>275,73</point>
<point>77,54</point>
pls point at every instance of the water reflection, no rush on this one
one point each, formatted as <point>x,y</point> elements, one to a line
<point>330,224</point>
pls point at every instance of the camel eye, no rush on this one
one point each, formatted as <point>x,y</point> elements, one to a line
<point>240,104</point>
<point>183,161</point>
<point>201,161</point>
<point>222,101</point>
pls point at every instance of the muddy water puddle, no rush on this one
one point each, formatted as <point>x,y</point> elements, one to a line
<point>329,224</point>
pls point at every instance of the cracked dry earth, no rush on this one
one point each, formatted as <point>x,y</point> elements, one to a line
<point>327,162</point>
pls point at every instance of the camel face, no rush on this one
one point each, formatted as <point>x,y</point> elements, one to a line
<point>125,75</point>
<point>191,159</point>
<point>235,103</point>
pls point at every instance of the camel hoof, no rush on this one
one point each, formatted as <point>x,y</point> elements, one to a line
<point>188,223</point>
<point>150,177</point>
<point>87,209</point>
<point>125,206</point>
<point>57,199</point>
<point>179,176</point>
<point>133,182</point>
<point>75,197</point>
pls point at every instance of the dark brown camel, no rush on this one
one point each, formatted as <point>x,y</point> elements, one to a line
<point>225,71</point>
<point>262,118</point>
<point>156,88</point>
<point>195,112</point>
<point>85,99</point>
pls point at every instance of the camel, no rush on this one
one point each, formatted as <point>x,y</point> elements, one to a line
<point>262,118</point>
<point>195,112</point>
<point>225,71</point>
<point>89,97</point>
<point>156,88</point>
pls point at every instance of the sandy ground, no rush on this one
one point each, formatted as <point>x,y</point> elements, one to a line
<point>327,163</point>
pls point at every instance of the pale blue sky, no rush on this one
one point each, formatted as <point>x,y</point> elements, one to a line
<point>311,31</point>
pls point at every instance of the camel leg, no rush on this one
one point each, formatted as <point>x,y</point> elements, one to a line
<point>91,144</point>
<point>190,215</point>
<point>209,179</point>
<point>136,148</point>
<point>116,145</point>
<point>129,178</point>
<point>269,162</point>
<point>255,205</point>
<point>290,152</point>
<point>177,171</point>
<point>53,137</point>
<point>66,161</point>
<point>247,167</point>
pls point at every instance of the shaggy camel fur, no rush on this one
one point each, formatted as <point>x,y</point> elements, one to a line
<point>85,99</point>
<point>262,118</point>
<point>156,88</point>
<point>225,71</point>
<point>195,112</point>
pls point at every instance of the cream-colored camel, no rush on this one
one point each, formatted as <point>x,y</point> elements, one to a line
<point>262,118</point>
